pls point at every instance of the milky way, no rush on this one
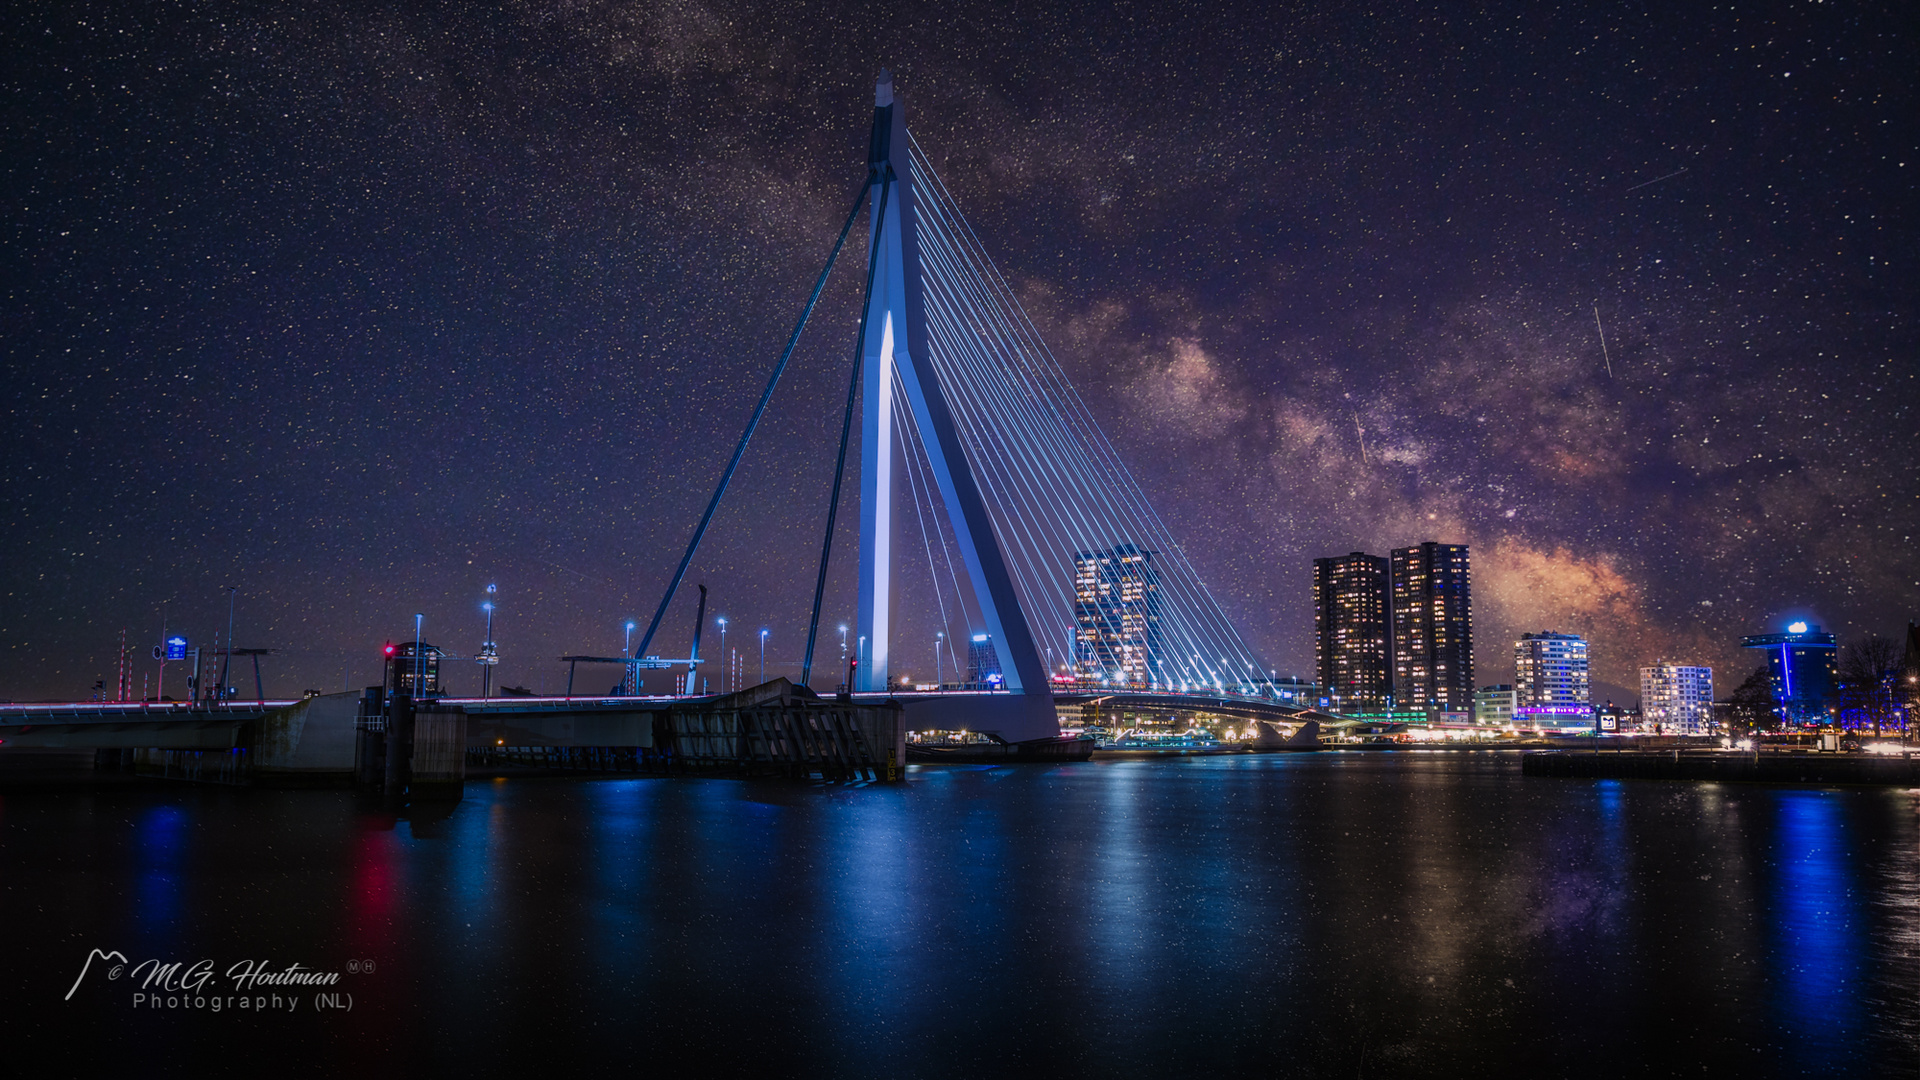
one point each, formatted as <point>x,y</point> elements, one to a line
<point>361,311</point>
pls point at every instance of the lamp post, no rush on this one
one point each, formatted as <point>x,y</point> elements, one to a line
<point>627,651</point>
<point>763,656</point>
<point>160,680</point>
<point>939,671</point>
<point>419,669</point>
<point>723,654</point>
<point>227,665</point>
<point>489,656</point>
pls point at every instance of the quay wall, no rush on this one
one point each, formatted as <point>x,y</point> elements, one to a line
<point>1776,767</point>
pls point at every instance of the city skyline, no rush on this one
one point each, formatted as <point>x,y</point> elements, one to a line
<point>331,314</point>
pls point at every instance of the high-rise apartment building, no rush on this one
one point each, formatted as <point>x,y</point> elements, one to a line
<point>1352,625</point>
<point>1677,698</point>
<point>1551,669</point>
<point>1432,628</point>
<point>1116,609</point>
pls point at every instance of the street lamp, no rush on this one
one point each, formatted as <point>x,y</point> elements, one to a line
<point>763,656</point>
<point>419,669</point>
<point>727,668</point>
<point>939,677</point>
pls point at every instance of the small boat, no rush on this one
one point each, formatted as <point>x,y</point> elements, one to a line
<point>1166,742</point>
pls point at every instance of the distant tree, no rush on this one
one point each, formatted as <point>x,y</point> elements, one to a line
<point>1869,672</point>
<point>1751,704</point>
<point>1907,692</point>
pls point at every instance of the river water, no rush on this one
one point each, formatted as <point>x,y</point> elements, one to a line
<point>1329,914</point>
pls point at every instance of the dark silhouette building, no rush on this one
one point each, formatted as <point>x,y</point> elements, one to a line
<point>1351,622</point>
<point>1432,628</point>
<point>983,664</point>
<point>1801,663</point>
<point>416,675</point>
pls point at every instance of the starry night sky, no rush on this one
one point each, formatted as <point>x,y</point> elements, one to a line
<point>362,307</point>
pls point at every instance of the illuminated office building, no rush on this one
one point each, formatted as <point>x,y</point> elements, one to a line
<point>1493,705</point>
<point>1551,669</point>
<point>1351,625</point>
<point>1677,699</point>
<point>1116,611</point>
<point>1432,628</point>
<point>1801,665</point>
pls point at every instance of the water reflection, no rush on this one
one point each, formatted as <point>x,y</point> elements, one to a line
<point>1817,944</point>
<point>1325,914</point>
<point>160,841</point>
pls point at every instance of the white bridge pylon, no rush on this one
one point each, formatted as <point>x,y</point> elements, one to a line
<point>896,344</point>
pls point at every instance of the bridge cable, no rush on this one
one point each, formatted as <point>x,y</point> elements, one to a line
<point>1184,580</point>
<point>1013,391</point>
<point>920,478</point>
<point>846,421</point>
<point>759,410</point>
<point>1206,606</point>
<point>913,444</point>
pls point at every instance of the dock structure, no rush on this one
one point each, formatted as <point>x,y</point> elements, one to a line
<point>1766,766</point>
<point>775,729</point>
<point>424,749</point>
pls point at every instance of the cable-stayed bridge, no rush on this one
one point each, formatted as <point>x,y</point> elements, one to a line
<point>1054,578</point>
<point>1051,570</point>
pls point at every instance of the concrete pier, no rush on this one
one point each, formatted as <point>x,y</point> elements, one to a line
<point>774,729</point>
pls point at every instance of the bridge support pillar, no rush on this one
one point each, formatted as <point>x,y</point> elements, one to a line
<point>426,750</point>
<point>439,746</point>
<point>369,758</point>
<point>399,745</point>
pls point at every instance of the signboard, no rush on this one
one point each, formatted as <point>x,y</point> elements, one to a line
<point>1562,717</point>
<point>176,648</point>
